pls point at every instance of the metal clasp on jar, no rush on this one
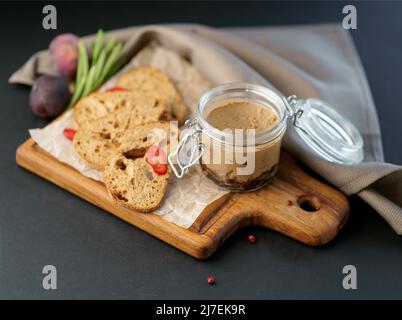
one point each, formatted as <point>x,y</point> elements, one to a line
<point>294,112</point>
<point>179,165</point>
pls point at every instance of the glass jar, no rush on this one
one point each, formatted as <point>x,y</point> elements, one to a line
<point>245,160</point>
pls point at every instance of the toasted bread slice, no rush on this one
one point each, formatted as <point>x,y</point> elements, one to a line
<point>93,141</point>
<point>133,184</point>
<point>100,104</point>
<point>93,147</point>
<point>151,79</point>
<point>129,178</point>
<point>159,133</point>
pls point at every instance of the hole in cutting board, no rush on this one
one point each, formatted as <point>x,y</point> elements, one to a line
<point>309,203</point>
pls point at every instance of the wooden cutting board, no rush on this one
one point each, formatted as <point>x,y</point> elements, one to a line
<point>294,204</point>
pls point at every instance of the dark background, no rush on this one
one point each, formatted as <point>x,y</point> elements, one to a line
<point>99,256</point>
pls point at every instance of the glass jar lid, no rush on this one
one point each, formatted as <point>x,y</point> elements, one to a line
<point>324,130</point>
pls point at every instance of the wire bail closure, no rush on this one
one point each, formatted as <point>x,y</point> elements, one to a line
<point>179,166</point>
<point>293,112</point>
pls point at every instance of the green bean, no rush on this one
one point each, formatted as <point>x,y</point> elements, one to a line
<point>100,63</point>
<point>116,67</point>
<point>82,73</point>
<point>111,60</point>
<point>89,82</point>
<point>110,45</point>
<point>97,45</point>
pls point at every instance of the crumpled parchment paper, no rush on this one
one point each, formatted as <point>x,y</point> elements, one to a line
<point>187,197</point>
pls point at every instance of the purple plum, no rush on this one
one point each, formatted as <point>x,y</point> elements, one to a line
<point>64,50</point>
<point>49,96</point>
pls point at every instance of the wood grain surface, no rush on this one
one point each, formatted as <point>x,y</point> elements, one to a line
<point>294,203</point>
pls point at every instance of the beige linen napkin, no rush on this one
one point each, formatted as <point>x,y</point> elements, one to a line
<point>309,61</point>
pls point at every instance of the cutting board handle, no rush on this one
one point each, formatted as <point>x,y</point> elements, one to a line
<point>293,203</point>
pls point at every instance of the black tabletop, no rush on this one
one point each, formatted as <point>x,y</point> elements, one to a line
<point>100,256</point>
